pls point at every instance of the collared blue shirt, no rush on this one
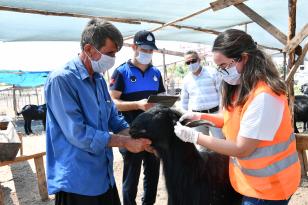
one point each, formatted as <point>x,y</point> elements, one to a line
<point>80,114</point>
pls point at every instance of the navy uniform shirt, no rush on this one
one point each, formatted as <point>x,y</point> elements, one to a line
<point>136,85</point>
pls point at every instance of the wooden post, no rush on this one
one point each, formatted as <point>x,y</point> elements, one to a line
<point>164,67</point>
<point>296,40</point>
<point>175,21</point>
<point>22,159</point>
<point>301,161</point>
<point>19,101</point>
<point>291,34</point>
<point>168,52</point>
<point>52,13</point>
<point>7,99</point>
<point>270,28</point>
<point>302,147</point>
<point>14,100</point>
<point>37,98</point>
<point>29,98</point>
<point>21,146</point>
<point>41,95</point>
<point>1,196</point>
<point>221,4</point>
<point>24,98</point>
<point>297,63</point>
<point>284,65</point>
<point>41,178</point>
<point>305,159</point>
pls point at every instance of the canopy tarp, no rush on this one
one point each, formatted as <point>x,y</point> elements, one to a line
<point>23,79</point>
<point>17,26</point>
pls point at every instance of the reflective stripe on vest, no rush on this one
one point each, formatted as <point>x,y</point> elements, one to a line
<point>270,150</point>
<point>269,170</point>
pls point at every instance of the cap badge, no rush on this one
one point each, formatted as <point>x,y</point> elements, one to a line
<point>149,38</point>
<point>155,78</point>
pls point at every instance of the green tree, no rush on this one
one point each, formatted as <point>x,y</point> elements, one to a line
<point>179,70</point>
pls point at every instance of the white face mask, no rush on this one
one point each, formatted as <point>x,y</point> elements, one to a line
<point>231,76</point>
<point>144,58</point>
<point>103,64</point>
<point>193,67</point>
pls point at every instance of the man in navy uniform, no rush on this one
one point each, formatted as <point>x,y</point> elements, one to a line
<point>131,84</point>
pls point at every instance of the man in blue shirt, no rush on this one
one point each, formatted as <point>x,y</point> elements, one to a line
<point>80,114</point>
<point>131,84</point>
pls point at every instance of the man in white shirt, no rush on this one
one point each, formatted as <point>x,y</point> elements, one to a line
<point>200,92</point>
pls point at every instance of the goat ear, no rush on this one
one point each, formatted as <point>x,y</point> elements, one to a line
<point>173,117</point>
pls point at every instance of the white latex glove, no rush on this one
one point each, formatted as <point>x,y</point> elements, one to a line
<point>186,134</point>
<point>191,116</point>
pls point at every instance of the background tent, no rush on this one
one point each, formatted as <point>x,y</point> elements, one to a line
<point>133,15</point>
<point>23,79</point>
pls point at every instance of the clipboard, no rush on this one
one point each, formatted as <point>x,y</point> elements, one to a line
<point>167,100</point>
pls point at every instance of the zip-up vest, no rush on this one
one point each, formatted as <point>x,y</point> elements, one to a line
<point>272,171</point>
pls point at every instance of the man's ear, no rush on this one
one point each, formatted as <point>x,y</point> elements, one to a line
<point>88,50</point>
<point>134,47</point>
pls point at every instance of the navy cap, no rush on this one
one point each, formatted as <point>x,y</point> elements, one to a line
<point>145,39</point>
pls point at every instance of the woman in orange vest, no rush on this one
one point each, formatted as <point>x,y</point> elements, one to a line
<point>256,123</point>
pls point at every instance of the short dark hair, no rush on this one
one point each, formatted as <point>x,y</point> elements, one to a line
<point>97,31</point>
<point>191,52</point>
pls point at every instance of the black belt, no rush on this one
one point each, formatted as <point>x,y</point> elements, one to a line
<point>214,109</point>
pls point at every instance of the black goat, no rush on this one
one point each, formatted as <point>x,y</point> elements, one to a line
<point>192,177</point>
<point>301,111</point>
<point>33,112</point>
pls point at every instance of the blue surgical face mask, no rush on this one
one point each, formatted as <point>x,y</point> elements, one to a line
<point>193,67</point>
<point>144,58</point>
<point>231,76</point>
<point>103,64</point>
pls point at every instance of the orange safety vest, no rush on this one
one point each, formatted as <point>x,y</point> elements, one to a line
<point>272,171</point>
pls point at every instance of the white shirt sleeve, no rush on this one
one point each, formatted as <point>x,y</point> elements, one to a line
<point>262,118</point>
<point>184,96</point>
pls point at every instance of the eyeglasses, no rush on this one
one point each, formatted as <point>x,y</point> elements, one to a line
<point>191,61</point>
<point>224,70</point>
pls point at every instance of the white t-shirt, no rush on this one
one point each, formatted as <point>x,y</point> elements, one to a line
<point>262,118</point>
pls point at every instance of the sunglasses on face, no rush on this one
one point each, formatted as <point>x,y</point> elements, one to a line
<point>191,61</point>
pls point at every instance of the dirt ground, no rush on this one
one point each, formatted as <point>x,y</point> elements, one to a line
<point>19,185</point>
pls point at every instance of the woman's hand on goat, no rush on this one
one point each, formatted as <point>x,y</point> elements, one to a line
<point>137,145</point>
<point>186,134</point>
<point>190,116</point>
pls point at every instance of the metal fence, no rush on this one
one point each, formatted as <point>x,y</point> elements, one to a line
<point>13,99</point>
